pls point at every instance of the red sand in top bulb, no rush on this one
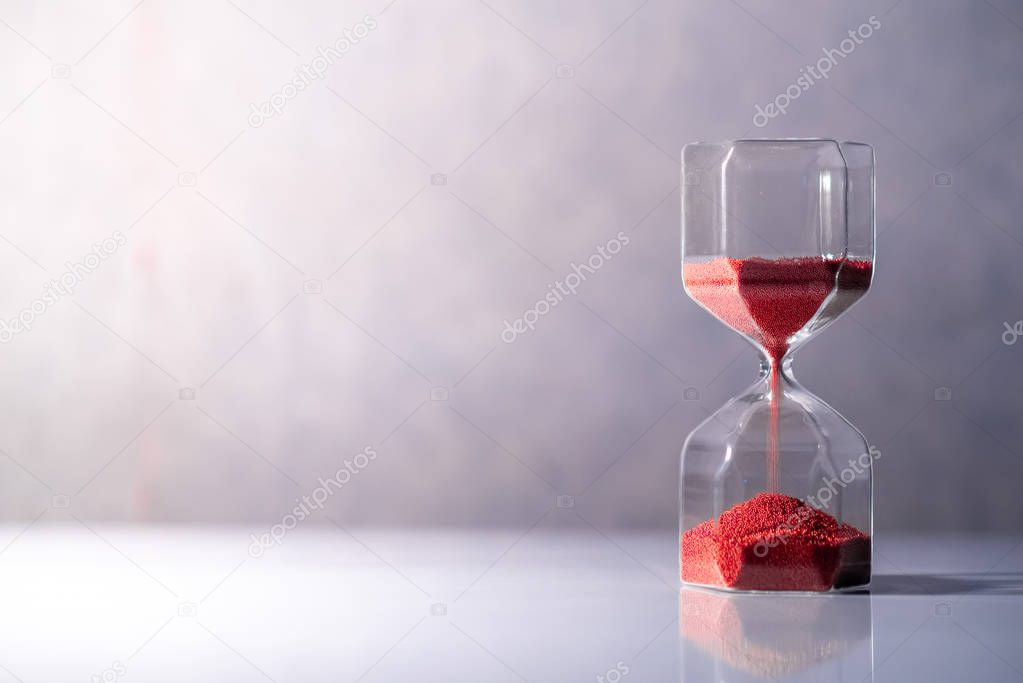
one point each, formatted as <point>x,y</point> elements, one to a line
<point>769,300</point>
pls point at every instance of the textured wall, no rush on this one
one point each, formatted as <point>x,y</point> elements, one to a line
<point>286,286</point>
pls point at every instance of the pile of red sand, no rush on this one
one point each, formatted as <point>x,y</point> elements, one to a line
<point>775,542</point>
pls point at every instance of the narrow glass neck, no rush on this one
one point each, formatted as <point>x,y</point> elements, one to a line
<point>784,365</point>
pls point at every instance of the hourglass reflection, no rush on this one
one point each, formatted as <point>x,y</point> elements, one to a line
<point>777,242</point>
<point>736,637</point>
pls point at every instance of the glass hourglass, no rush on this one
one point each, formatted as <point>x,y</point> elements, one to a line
<point>775,487</point>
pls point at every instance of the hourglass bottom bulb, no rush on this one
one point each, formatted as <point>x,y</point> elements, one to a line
<point>775,542</point>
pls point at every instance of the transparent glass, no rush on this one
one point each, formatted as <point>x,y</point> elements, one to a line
<point>738,637</point>
<point>775,487</point>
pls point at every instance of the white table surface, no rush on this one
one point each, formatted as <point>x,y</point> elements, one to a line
<point>177,604</point>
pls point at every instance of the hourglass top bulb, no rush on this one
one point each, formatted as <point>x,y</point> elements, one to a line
<point>770,300</point>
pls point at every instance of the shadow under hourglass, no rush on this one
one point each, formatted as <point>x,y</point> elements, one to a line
<point>994,583</point>
<point>729,637</point>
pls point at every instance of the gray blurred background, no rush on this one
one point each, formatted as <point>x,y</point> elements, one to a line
<point>340,275</point>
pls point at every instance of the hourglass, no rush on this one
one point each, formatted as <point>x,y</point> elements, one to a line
<point>775,487</point>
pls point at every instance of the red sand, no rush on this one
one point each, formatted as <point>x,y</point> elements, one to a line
<point>775,542</point>
<point>769,300</point>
